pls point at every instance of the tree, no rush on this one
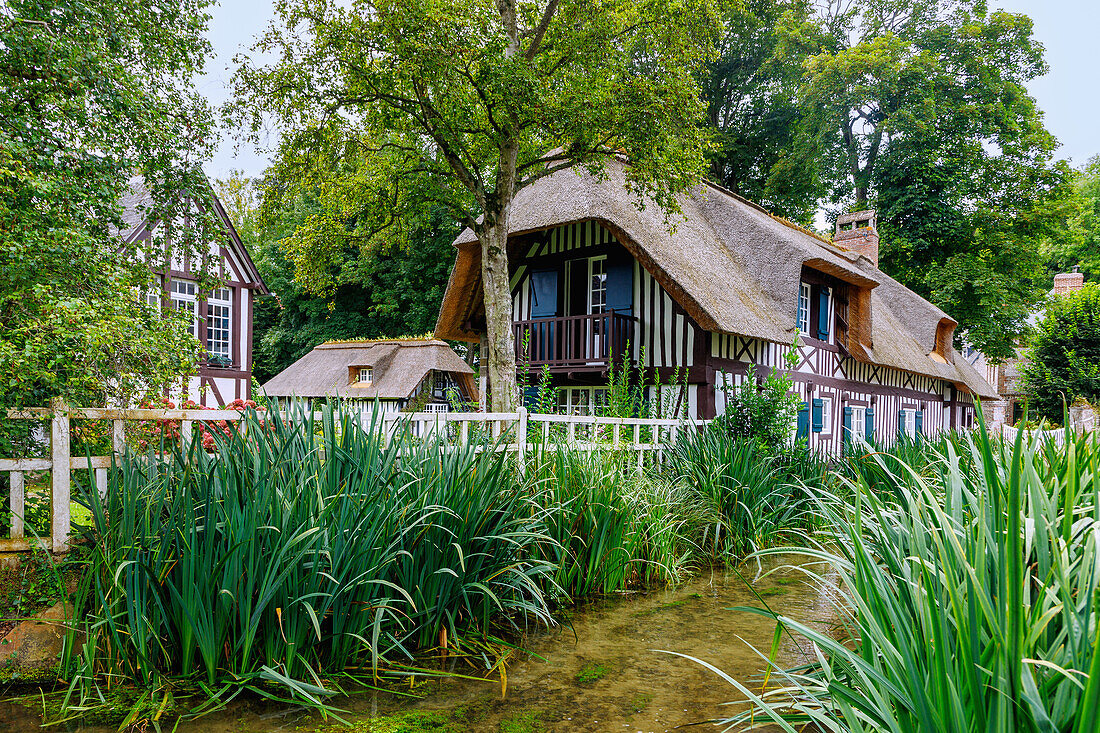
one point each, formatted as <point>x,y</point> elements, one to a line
<point>395,290</point>
<point>1078,244</point>
<point>93,93</point>
<point>920,108</point>
<point>460,104</point>
<point>1065,354</point>
<point>751,93</point>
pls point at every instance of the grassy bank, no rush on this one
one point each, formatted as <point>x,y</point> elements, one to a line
<point>305,550</point>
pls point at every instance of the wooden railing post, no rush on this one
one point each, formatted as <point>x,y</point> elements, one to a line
<point>521,441</point>
<point>60,475</point>
<point>17,505</point>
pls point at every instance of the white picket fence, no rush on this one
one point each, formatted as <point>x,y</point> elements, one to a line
<point>1058,436</point>
<point>519,432</point>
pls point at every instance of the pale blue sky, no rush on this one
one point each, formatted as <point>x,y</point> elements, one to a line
<point>1069,94</point>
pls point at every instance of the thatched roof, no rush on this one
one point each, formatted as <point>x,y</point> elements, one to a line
<point>733,266</point>
<point>399,366</point>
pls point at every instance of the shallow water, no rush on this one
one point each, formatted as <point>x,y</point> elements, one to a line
<point>614,640</point>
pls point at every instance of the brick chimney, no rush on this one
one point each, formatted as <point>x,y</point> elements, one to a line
<point>856,231</point>
<point>1068,282</point>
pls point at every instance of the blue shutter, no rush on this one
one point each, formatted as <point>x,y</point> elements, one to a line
<point>544,304</point>
<point>620,283</point>
<point>818,422</point>
<point>919,422</point>
<point>901,423</point>
<point>544,293</point>
<point>869,424</point>
<point>823,313</point>
<point>847,424</point>
<point>803,422</point>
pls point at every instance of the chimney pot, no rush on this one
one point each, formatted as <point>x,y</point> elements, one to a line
<point>857,231</point>
<point>1068,282</point>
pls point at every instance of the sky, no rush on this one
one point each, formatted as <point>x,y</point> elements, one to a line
<point>1069,94</point>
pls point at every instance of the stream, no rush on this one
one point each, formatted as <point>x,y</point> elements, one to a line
<point>597,671</point>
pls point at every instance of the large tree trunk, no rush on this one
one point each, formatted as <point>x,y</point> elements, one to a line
<point>500,361</point>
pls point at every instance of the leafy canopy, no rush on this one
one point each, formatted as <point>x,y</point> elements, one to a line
<point>920,109</point>
<point>1065,354</point>
<point>93,93</point>
<point>386,107</point>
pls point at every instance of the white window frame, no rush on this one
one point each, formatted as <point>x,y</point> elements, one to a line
<point>581,400</point>
<point>219,305</point>
<point>366,371</point>
<point>826,416</point>
<point>804,308</point>
<point>184,296</point>
<point>910,421</point>
<point>437,407</point>
<point>859,421</point>
<point>597,268</point>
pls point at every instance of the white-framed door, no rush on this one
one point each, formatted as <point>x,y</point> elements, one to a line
<point>597,303</point>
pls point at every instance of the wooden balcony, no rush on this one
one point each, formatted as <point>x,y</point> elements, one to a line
<point>573,343</point>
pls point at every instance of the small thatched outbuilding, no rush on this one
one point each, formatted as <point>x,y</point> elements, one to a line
<point>403,373</point>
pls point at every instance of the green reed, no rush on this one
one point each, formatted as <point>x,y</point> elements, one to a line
<point>968,594</point>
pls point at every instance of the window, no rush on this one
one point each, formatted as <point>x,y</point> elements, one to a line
<point>826,414</point>
<point>366,375</point>
<point>804,309</point>
<point>183,299</point>
<point>858,422</point>
<point>437,407</point>
<point>152,295</point>
<point>597,285</point>
<point>582,400</point>
<point>219,314</point>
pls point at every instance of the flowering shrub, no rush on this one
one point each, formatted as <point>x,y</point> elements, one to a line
<point>152,432</point>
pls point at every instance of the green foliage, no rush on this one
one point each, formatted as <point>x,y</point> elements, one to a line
<point>752,104</point>
<point>266,565</point>
<point>592,672</point>
<point>741,498</point>
<point>761,413</point>
<point>1064,358</point>
<point>920,109</point>
<point>968,598</point>
<point>387,290</point>
<point>612,527</point>
<point>1078,244</point>
<point>463,104</point>
<point>94,93</point>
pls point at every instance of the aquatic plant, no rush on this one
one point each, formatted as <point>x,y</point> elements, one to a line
<point>970,594</point>
<point>612,526</point>
<point>743,497</point>
<point>300,548</point>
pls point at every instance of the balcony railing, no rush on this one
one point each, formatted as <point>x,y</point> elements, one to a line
<point>573,342</point>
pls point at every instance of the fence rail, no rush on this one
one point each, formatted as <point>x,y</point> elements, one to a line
<point>518,432</point>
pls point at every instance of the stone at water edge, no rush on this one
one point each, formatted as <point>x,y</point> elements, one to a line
<point>36,644</point>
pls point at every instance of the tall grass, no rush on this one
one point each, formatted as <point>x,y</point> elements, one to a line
<point>612,527</point>
<point>743,498</point>
<point>969,595</point>
<point>300,549</point>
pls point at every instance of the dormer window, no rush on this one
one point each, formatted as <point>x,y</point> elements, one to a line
<point>366,375</point>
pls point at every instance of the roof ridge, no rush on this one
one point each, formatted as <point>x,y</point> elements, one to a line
<point>425,340</point>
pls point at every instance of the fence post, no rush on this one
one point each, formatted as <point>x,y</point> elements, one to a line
<point>521,441</point>
<point>60,475</point>
<point>17,505</point>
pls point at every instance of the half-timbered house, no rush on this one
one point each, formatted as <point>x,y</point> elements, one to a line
<point>708,293</point>
<point>221,317</point>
